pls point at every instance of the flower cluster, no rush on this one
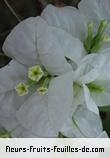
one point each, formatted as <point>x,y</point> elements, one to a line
<point>59,74</point>
<point>37,77</point>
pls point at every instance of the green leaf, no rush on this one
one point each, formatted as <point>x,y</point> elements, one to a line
<point>104,109</point>
<point>106,123</point>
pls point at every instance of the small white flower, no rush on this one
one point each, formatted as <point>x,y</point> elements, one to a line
<point>35,73</point>
<point>21,89</point>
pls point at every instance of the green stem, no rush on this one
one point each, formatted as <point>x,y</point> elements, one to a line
<point>12,10</point>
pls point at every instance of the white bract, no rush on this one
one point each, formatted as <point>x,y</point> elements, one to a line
<point>47,56</point>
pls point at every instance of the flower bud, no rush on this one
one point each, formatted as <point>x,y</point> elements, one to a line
<point>90,29</point>
<point>42,90</point>
<point>44,84</point>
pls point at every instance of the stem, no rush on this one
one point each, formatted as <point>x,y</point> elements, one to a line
<point>12,10</point>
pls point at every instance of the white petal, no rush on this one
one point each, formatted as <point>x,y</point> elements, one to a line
<point>33,116</point>
<point>66,18</point>
<point>8,123</point>
<point>60,99</point>
<point>20,132</point>
<point>50,51</point>
<point>95,60</point>
<point>89,102</point>
<point>21,42</point>
<point>101,98</point>
<point>85,124</point>
<point>88,122</point>
<point>71,46</point>
<point>104,76</point>
<point>11,75</point>
<point>95,10</point>
<point>70,130</point>
<point>89,77</point>
<point>78,94</point>
<point>10,102</point>
<point>91,10</point>
<point>90,68</point>
<point>105,8</point>
<point>106,52</point>
<point>86,73</point>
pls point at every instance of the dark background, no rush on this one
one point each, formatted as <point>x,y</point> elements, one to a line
<point>12,11</point>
